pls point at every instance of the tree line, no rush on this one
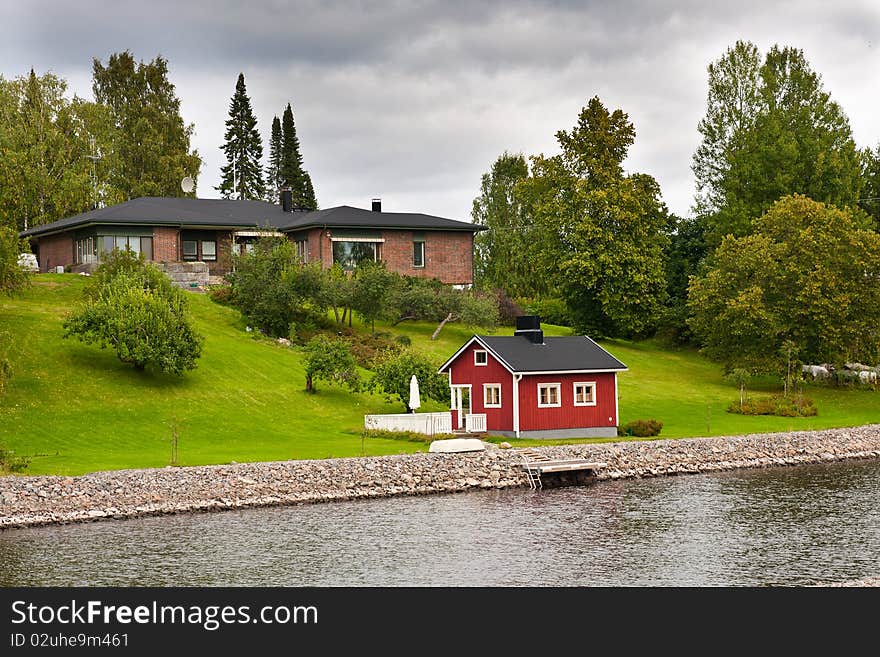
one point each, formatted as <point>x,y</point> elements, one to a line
<point>777,263</point>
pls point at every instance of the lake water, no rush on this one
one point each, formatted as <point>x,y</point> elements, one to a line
<point>786,526</point>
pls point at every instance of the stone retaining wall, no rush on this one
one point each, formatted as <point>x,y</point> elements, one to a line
<point>29,501</point>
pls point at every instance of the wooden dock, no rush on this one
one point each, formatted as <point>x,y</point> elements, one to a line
<point>537,464</point>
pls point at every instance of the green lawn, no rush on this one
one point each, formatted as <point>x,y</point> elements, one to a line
<point>75,408</point>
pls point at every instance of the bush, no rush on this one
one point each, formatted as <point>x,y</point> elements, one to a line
<point>393,371</point>
<point>508,309</point>
<point>641,428</point>
<point>221,294</point>
<point>796,406</point>
<point>13,276</point>
<point>9,462</point>
<point>134,308</point>
<point>410,436</point>
<point>403,340</point>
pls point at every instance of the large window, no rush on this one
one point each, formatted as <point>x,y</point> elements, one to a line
<point>492,395</point>
<point>548,395</point>
<point>351,254</point>
<point>91,249</point>
<point>585,393</point>
<point>190,250</point>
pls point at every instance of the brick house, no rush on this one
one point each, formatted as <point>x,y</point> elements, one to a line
<point>529,386</point>
<point>171,230</point>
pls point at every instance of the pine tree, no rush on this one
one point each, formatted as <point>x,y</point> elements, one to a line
<point>292,174</point>
<point>273,171</point>
<point>242,177</point>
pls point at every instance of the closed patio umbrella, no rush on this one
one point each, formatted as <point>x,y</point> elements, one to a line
<point>414,400</point>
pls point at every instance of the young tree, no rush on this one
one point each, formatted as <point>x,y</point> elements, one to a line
<point>242,176</point>
<point>292,173</point>
<point>151,143</point>
<point>134,308</point>
<point>870,200</point>
<point>393,371</point>
<point>331,360</point>
<point>770,130</point>
<point>273,171</point>
<point>805,286</point>
<point>503,254</point>
<point>371,284</point>
<point>602,232</point>
<point>13,277</point>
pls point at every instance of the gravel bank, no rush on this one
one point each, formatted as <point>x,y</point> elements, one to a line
<point>30,501</point>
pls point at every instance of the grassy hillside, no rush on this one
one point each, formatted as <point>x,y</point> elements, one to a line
<point>75,408</point>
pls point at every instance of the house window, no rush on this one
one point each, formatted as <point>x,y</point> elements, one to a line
<point>350,254</point>
<point>479,357</point>
<point>134,243</point>
<point>548,395</point>
<point>190,250</point>
<point>302,250</point>
<point>418,254</point>
<point>86,250</point>
<point>147,247</point>
<point>209,250</point>
<point>585,393</point>
<point>492,395</point>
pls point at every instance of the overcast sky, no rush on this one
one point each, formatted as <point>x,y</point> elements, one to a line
<point>413,101</point>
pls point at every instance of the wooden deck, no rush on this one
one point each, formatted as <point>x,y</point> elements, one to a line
<point>537,464</point>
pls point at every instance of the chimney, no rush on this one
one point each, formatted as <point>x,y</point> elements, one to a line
<point>286,200</point>
<point>529,327</point>
<point>377,205</point>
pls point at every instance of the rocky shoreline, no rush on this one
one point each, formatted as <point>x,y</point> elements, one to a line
<point>27,501</point>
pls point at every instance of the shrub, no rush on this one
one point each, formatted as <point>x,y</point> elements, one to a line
<point>9,462</point>
<point>411,436</point>
<point>13,276</point>
<point>221,294</point>
<point>641,428</point>
<point>134,308</point>
<point>551,310</point>
<point>796,406</point>
<point>508,309</point>
<point>404,340</point>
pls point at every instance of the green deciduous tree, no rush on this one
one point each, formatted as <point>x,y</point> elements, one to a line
<point>242,176</point>
<point>45,139</point>
<point>770,130</point>
<point>330,359</point>
<point>601,232</point>
<point>870,200</point>
<point>393,370</point>
<point>132,307</point>
<point>504,253</point>
<point>805,286</point>
<point>150,150</point>
<point>13,277</point>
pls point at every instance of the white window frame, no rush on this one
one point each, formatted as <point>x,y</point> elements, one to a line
<point>550,386</point>
<point>486,388</point>
<point>485,357</point>
<point>574,390</point>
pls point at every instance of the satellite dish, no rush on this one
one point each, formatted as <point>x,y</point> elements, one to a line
<point>187,185</point>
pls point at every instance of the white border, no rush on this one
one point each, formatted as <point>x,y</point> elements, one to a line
<point>574,386</point>
<point>485,353</point>
<point>486,386</point>
<point>558,387</point>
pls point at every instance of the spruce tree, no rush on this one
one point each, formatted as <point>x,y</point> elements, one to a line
<point>273,172</point>
<point>292,174</point>
<point>242,177</point>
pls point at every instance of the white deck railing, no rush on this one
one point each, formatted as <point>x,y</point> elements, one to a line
<point>426,423</point>
<point>475,422</point>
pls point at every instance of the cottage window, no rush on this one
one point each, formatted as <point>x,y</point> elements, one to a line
<point>418,254</point>
<point>492,395</point>
<point>190,250</point>
<point>302,250</point>
<point>585,393</point>
<point>480,357</point>
<point>209,250</point>
<point>548,395</point>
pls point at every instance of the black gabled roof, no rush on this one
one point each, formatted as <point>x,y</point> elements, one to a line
<point>155,210</point>
<point>345,216</point>
<point>576,353</point>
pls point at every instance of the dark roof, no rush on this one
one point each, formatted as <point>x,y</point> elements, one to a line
<point>153,210</point>
<point>347,216</point>
<point>557,354</point>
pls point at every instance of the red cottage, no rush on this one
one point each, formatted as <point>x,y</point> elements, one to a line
<point>529,386</point>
